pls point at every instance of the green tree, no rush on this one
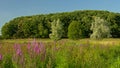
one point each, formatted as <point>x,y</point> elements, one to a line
<point>74,30</point>
<point>57,30</point>
<point>8,30</point>
<point>28,26</point>
<point>43,32</point>
<point>100,28</point>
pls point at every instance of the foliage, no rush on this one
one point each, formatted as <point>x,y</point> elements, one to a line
<point>9,30</point>
<point>66,54</point>
<point>8,62</point>
<point>43,32</point>
<point>74,30</point>
<point>33,26</point>
<point>57,30</point>
<point>100,28</point>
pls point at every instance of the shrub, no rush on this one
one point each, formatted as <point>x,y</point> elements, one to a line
<point>74,30</point>
<point>100,28</point>
<point>57,30</point>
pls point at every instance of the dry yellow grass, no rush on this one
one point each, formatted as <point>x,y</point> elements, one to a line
<point>111,41</point>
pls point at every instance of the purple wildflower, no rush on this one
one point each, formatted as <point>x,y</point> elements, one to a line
<point>1,57</point>
<point>36,49</point>
<point>18,49</point>
<point>19,52</point>
<point>17,46</point>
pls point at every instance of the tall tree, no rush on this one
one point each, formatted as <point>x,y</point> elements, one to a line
<point>43,32</point>
<point>74,30</point>
<point>29,26</point>
<point>57,30</point>
<point>100,28</point>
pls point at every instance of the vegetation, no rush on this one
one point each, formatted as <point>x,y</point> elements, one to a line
<point>66,54</point>
<point>74,30</point>
<point>100,29</point>
<point>57,30</point>
<point>39,26</point>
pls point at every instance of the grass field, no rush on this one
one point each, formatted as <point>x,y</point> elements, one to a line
<point>45,53</point>
<point>110,41</point>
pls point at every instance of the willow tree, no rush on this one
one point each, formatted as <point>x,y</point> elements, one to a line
<point>100,29</point>
<point>57,30</point>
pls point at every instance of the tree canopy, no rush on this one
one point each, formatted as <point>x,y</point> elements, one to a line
<point>57,30</point>
<point>100,29</point>
<point>74,30</point>
<point>39,26</point>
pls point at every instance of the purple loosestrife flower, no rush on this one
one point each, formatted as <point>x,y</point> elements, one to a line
<point>17,46</point>
<point>19,52</point>
<point>18,49</point>
<point>28,46</point>
<point>1,57</point>
<point>36,48</point>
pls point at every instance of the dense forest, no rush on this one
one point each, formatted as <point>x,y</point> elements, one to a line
<point>39,26</point>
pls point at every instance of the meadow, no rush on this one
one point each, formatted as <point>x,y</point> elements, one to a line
<point>45,53</point>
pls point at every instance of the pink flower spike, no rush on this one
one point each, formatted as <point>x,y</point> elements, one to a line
<point>1,57</point>
<point>29,46</point>
<point>36,49</point>
<point>16,46</point>
<point>19,52</point>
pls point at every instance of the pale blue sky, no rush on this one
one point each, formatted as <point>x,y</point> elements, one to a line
<point>10,9</point>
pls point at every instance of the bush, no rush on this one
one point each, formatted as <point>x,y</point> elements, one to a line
<point>74,30</point>
<point>57,30</point>
<point>100,28</point>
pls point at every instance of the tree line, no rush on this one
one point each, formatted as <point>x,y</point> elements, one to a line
<point>39,26</point>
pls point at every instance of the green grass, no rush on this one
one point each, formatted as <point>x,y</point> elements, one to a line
<point>83,53</point>
<point>110,41</point>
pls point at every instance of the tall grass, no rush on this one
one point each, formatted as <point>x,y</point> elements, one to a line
<point>63,54</point>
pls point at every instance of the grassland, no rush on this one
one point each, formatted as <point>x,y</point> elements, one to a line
<point>110,41</point>
<point>45,53</point>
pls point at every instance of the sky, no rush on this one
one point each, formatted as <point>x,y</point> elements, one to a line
<point>10,9</point>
